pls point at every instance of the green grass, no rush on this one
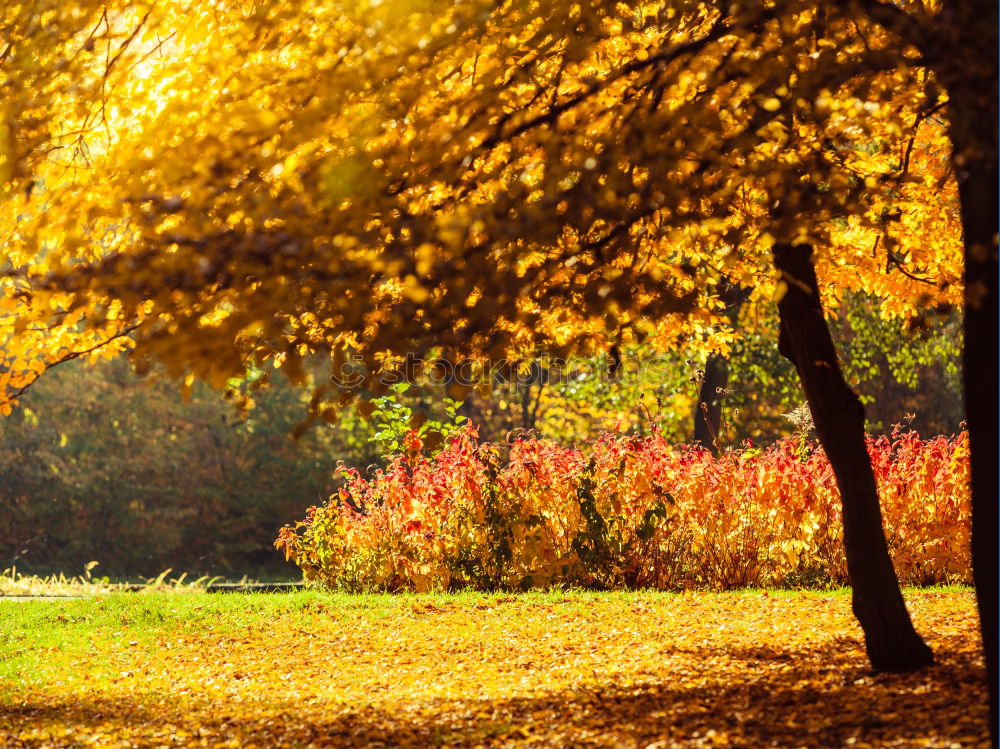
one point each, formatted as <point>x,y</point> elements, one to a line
<point>40,639</point>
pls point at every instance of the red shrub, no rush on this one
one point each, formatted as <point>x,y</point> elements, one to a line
<point>634,512</point>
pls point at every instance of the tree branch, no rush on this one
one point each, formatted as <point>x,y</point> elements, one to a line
<point>70,357</point>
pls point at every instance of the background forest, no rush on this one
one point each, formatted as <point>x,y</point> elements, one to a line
<point>102,464</point>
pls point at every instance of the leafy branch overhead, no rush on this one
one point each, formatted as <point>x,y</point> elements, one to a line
<point>486,179</point>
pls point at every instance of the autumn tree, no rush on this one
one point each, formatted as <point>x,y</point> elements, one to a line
<point>489,180</point>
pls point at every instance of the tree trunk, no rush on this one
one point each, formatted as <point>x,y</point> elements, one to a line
<point>530,404</point>
<point>966,62</point>
<point>980,362</point>
<point>890,639</point>
<point>708,410</point>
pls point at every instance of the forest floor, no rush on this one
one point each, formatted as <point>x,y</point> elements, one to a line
<point>554,669</point>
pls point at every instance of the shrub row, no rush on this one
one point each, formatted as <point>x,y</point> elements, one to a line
<point>634,512</point>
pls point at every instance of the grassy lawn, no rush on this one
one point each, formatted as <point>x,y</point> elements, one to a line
<point>554,669</point>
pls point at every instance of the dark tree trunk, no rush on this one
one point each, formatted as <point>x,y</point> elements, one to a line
<point>978,191</point>
<point>890,639</point>
<point>965,60</point>
<point>980,379</point>
<point>530,397</point>
<point>708,411</point>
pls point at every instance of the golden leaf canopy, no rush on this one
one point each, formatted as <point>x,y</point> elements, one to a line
<point>244,181</point>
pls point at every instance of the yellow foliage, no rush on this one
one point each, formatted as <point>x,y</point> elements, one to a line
<point>476,177</point>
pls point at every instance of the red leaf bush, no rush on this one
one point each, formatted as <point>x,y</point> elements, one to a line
<point>634,512</point>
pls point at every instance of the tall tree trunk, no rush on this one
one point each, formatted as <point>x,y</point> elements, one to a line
<point>966,62</point>
<point>978,193</point>
<point>980,361</point>
<point>708,409</point>
<point>890,639</point>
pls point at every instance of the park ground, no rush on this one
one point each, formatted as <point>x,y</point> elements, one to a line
<point>554,669</point>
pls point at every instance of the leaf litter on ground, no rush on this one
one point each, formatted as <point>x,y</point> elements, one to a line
<point>545,669</point>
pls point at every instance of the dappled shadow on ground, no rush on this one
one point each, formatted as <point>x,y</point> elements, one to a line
<point>821,697</point>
